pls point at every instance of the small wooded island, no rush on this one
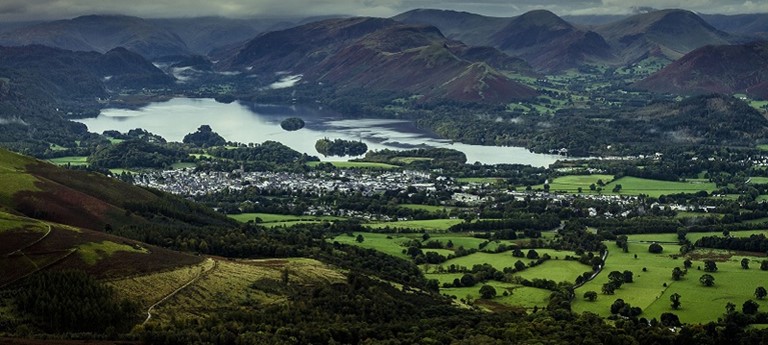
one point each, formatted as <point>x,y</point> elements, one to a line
<point>292,124</point>
<point>340,147</point>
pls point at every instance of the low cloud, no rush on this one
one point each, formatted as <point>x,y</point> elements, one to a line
<point>18,10</point>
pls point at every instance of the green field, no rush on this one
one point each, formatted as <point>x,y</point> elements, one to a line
<point>629,185</point>
<point>428,225</point>
<point>428,208</point>
<point>392,246</point>
<point>519,295</point>
<point>699,303</point>
<point>280,219</point>
<point>71,160</point>
<point>691,236</point>
<point>357,165</point>
<point>571,183</point>
<point>554,269</point>
<point>655,188</point>
<point>480,180</point>
<point>758,180</point>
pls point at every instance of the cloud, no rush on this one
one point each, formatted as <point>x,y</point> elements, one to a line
<point>15,10</point>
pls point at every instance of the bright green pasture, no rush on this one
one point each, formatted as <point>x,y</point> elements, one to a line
<point>357,165</point>
<point>480,180</point>
<point>71,160</point>
<point>571,183</point>
<point>691,236</point>
<point>276,218</point>
<point>699,303</point>
<point>634,185</point>
<point>557,270</point>
<point>429,225</point>
<point>428,208</point>
<point>392,246</point>
<point>758,180</point>
<point>518,295</point>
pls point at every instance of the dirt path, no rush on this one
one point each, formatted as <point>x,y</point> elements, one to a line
<point>203,271</point>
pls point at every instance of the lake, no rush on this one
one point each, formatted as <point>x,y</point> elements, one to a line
<point>255,123</point>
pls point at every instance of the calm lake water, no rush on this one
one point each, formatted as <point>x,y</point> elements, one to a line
<point>256,123</point>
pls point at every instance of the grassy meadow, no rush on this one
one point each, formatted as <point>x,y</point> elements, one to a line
<point>699,303</point>
<point>629,185</point>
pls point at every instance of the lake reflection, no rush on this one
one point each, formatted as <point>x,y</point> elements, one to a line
<point>256,123</point>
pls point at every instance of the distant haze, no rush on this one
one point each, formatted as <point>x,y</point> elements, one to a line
<point>23,10</point>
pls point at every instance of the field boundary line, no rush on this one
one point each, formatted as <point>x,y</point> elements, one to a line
<point>31,244</point>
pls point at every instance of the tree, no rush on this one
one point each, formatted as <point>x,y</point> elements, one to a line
<point>745,263</point>
<point>616,278</point>
<point>487,292</point>
<point>608,289</point>
<point>425,236</point>
<point>707,280</point>
<point>590,296</point>
<point>687,263</point>
<point>360,238</point>
<point>710,266</point>
<point>628,276</point>
<point>520,266</point>
<point>764,265</point>
<point>749,307</point>
<point>670,320</point>
<point>532,254</point>
<point>617,188</point>
<point>592,187</point>
<point>675,299</point>
<point>760,292</point>
<point>677,273</point>
<point>655,248</point>
<point>730,308</point>
<point>617,306</point>
<point>467,280</point>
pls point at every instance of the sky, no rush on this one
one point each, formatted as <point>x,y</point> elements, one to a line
<point>23,10</point>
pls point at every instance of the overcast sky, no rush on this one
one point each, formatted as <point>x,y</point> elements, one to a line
<point>18,10</point>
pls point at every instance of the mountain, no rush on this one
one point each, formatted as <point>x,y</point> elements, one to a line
<point>550,43</point>
<point>381,54</point>
<point>666,34</point>
<point>540,37</point>
<point>71,75</point>
<point>715,69</point>
<point>100,33</point>
<point>472,29</point>
<point>753,24</point>
<point>203,34</point>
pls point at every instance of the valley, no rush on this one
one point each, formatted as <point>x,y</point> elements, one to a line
<point>432,176</point>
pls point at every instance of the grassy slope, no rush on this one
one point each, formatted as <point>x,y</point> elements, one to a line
<point>629,185</point>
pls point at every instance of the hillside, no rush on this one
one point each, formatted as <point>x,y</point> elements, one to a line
<point>541,38</point>
<point>381,54</point>
<point>100,33</point>
<point>667,34</point>
<point>724,69</point>
<point>550,43</point>
<point>89,200</point>
<point>752,24</point>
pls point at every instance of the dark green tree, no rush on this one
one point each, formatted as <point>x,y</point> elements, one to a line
<point>707,280</point>
<point>675,299</point>
<point>760,292</point>
<point>487,292</point>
